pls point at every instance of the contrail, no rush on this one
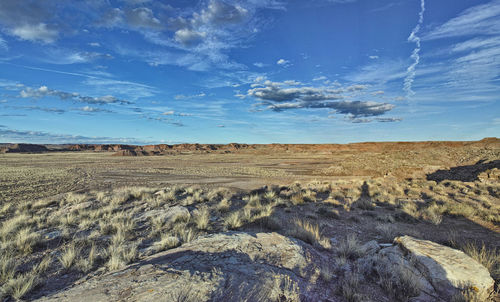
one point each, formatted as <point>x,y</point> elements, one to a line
<point>410,72</point>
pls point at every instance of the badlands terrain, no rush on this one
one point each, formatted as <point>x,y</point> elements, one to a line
<point>358,222</point>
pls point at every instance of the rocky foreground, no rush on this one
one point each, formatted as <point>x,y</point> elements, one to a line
<point>237,266</point>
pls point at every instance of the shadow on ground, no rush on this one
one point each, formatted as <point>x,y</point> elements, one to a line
<point>467,173</point>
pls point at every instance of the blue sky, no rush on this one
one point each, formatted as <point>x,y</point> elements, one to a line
<point>256,71</point>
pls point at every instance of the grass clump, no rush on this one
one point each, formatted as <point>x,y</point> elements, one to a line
<point>167,242</point>
<point>120,255</point>
<point>68,257</point>
<point>308,232</point>
<point>202,218</point>
<point>350,288</point>
<point>20,285</point>
<point>7,268</point>
<point>26,239</point>
<point>350,247</point>
<point>489,258</point>
<point>233,221</point>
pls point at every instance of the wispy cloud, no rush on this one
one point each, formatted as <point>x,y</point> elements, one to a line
<point>188,97</point>
<point>410,76</point>
<point>3,44</point>
<point>42,137</point>
<point>483,19</point>
<point>44,91</point>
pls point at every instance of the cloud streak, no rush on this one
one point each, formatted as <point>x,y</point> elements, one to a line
<point>410,72</point>
<point>41,137</point>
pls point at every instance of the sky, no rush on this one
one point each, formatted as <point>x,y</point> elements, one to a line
<point>255,71</point>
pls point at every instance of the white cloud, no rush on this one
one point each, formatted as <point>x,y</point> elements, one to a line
<point>89,109</point>
<point>283,62</point>
<point>320,78</point>
<point>279,96</point>
<point>142,17</point>
<point>35,32</point>
<point>373,57</point>
<point>483,19</point>
<point>259,64</point>
<point>189,37</point>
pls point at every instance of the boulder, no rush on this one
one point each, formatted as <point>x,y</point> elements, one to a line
<point>217,267</point>
<point>448,270</point>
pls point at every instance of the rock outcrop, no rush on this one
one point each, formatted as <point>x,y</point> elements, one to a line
<point>218,267</point>
<point>448,270</point>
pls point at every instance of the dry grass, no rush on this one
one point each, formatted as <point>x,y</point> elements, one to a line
<point>350,247</point>
<point>233,221</point>
<point>350,288</point>
<point>7,268</point>
<point>308,232</point>
<point>120,255</point>
<point>490,258</point>
<point>167,242</point>
<point>20,285</point>
<point>224,205</point>
<point>26,239</point>
<point>68,257</point>
<point>202,218</point>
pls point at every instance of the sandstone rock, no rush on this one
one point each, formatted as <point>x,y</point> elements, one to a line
<point>218,267</point>
<point>447,269</point>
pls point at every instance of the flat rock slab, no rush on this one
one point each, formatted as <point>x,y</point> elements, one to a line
<point>218,267</point>
<point>447,269</point>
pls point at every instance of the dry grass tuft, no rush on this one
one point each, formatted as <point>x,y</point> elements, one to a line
<point>68,257</point>
<point>350,288</point>
<point>233,221</point>
<point>21,285</point>
<point>308,232</point>
<point>167,242</point>
<point>490,258</point>
<point>350,247</point>
<point>202,218</point>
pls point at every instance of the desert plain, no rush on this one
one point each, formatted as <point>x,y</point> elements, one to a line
<point>358,222</point>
